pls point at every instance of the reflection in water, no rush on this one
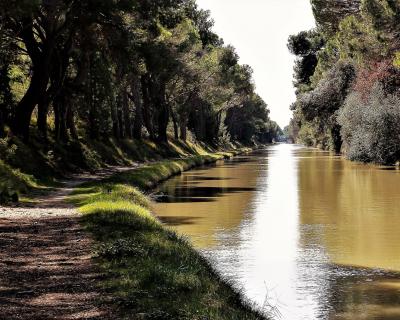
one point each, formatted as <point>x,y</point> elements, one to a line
<point>196,193</point>
<point>313,234</point>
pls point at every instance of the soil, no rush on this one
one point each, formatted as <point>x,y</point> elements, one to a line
<point>46,266</point>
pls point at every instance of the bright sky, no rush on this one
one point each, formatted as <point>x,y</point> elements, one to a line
<point>259,30</point>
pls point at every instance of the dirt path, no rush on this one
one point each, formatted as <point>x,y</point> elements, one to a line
<point>46,270</point>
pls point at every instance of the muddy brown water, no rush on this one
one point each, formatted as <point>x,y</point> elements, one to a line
<point>312,234</point>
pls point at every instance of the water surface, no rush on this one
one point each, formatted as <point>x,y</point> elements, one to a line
<point>298,229</point>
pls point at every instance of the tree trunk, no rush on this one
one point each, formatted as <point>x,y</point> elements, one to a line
<point>56,109</point>
<point>175,123</point>
<point>60,121</point>
<point>93,128</point>
<point>63,119</point>
<point>121,121</point>
<point>71,123</point>
<point>41,56</point>
<point>6,94</point>
<point>163,119</point>
<point>127,115</point>
<point>138,122</point>
<point>23,112</point>
<point>183,128</point>
<point>163,111</point>
<point>147,107</point>
<point>115,121</point>
<point>43,107</point>
<point>2,121</point>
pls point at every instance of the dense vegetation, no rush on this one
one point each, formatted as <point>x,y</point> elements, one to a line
<point>127,69</point>
<point>347,77</point>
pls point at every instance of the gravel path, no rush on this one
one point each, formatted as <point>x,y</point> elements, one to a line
<point>46,270</point>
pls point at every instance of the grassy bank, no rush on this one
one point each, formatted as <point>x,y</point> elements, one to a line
<point>152,272</point>
<point>27,168</point>
<point>13,182</point>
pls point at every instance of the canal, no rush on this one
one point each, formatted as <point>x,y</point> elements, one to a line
<point>298,230</point>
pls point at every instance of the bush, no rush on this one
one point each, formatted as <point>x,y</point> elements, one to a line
<point>7,150</point>
<point>371,127</point>
<point>7,196</point>
<point>13,181</point>
<point>306,136</point>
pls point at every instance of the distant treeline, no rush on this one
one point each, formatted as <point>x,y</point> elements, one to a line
<point>347,77</point>
<point>123,69</point>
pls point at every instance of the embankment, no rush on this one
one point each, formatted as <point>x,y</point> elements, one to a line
<point>152,272</point>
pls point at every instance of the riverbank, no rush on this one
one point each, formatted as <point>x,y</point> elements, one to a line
<point>151,271</point>
<point>53,162</point>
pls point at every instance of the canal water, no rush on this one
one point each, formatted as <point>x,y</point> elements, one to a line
<point>304,234</point>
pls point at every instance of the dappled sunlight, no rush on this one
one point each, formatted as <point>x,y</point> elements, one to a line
<point>46,269</point>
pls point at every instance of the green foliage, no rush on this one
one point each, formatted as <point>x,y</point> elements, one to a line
<point>13,181</point>
<point>359,54</point>
<point>305,43</point>
<point>396,60</point>
<point>7,149</point>
<point>306,46</point>
<point>148,176</point>
<point>371,127</point>
<point>329,13</point>
<point>118,68</point>
<point>319,106</point>
<point>358,40</point>
<point>384,15</point>
<point>307,137</point>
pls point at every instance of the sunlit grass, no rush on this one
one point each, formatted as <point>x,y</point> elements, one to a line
<point>107,192</point>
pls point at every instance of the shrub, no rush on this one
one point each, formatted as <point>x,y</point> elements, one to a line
<point>371,126</point>
<point>306,136</point>
<point>7,150</point>
<point>13,181</point>
<point>382,72</point>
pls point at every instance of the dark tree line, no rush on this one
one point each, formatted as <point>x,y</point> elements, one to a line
<point>126,69</point>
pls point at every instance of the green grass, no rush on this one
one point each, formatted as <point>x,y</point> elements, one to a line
<point>149,176</point>
<point>13,181</point>
<point>46,162</point>
<point>151,272</point>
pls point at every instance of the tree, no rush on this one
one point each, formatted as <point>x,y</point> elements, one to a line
<point>305,45</point>
<point>329,13</point>
<point>123,69</point>
<point>360,46</point>
<point>39,27</point>
<point>6,96</point>
<point>321,104</point>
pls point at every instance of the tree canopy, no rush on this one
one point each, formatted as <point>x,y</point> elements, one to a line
<point>130,69</point>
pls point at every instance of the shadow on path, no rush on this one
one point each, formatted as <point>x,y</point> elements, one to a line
<point>46,271</point>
